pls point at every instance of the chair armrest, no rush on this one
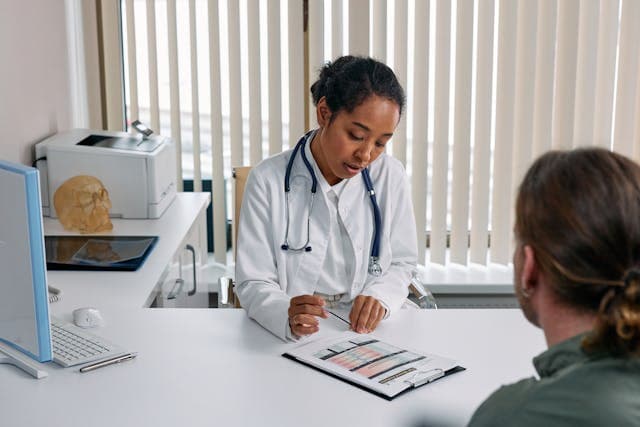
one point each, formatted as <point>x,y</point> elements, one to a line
<point>227,296</point>
<point>420,294</point>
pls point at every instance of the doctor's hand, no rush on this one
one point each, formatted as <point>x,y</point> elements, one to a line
<point>303,310</point>
<point>366,314</point>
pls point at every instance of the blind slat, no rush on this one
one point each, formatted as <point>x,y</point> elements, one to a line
<point>420,145</point>
<point>195,99</point>
<point>502,156</point>
<point>235,84</point>
<point>399,142</point>
<point>337,21</point>
<point>636,133</point>
<point>217,164</point>
<point>131,59</point>
<point>462,133</point>
<point>586,74</point>
<point>524,90</point>
<point>605,72</point>
<point>275,84</point>
<point>441,134</point>
<point>174,88</point>
<point>482,140</point>
<point>297,89</point>
<point>359,27</point>
<point>152,52</point>
<point>543,92</point>
<point>565,84</point>
<point>255,86</point>
<point>379,42</point>
<point>627,77</point>
<point>316,51</point>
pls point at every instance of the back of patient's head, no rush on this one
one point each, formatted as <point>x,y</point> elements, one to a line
<point>580,212</point>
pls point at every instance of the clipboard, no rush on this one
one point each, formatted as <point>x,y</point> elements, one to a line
<point>392,372</point>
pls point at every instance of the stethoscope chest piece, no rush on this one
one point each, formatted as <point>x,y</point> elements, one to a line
<point>374,267</point>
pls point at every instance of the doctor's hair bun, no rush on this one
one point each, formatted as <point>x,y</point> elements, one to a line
<point>350,80</point>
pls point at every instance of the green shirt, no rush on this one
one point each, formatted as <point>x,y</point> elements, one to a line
<point>574,389</point>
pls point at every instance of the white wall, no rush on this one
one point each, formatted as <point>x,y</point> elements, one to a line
<point>34,75</point>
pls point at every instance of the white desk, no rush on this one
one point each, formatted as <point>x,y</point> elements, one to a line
<point>203,367</point>
<point>200,367</point>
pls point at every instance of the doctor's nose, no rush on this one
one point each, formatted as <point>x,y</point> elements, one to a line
<point>363,154</point>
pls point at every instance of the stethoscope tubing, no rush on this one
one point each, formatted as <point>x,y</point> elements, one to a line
<point>374,265</point>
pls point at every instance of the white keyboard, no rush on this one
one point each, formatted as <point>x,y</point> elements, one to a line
<point>74,346</point>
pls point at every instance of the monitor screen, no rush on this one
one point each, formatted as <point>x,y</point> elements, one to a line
<point>24,305</point>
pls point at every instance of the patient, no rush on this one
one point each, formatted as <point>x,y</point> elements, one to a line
<point>577,276</point>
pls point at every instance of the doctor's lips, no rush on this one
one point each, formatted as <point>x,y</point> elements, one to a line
<point>353,168</point>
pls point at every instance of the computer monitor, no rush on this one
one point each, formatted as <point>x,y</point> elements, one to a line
<point>24,304</point>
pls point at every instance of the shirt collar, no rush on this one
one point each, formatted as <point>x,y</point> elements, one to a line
<point>560,356</point>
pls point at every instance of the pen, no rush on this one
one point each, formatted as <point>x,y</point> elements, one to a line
<point>107,362</point>
<point>333,314</point>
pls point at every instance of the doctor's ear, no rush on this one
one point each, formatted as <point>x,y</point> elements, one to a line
<point>323,112</point>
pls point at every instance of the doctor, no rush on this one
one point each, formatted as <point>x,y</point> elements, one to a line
<point>331,220</point>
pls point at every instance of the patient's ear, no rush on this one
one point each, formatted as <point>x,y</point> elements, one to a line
<point>530,270</point>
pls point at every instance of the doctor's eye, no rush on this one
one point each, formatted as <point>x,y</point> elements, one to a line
<point>356,137</point>
<point>380,144</point>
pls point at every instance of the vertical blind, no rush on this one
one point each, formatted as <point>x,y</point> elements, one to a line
<point>491,84</point>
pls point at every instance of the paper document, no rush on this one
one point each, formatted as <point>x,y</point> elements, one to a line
<point>374,365</point>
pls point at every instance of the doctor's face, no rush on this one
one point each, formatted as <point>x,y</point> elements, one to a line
<point>353,140</point>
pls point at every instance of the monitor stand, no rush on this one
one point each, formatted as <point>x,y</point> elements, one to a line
<point>10,356</point>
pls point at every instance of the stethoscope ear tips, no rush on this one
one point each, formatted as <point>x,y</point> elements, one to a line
<point>307,249</point>
<point>284,247</point>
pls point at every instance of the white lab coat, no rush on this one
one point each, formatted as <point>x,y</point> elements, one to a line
<point>267,276</point>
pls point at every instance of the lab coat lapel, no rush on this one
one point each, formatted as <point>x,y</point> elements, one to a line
<point>308,269</point>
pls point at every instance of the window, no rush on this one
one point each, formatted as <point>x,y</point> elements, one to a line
<point>490,86</point>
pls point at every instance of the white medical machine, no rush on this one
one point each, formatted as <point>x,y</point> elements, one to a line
<point>139,172</point>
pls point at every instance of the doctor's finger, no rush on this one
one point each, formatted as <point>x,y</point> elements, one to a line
<point>366,313</point>
<point>377,313</point>
<point>304,330</point>
<point>307,309</point>
<point>307,299</point>
<point>303,324</point>
<point>304,320</point>
<point>358,302</point>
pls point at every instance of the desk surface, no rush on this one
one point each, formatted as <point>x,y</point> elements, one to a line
<point>201,367</point>
<point>217,367</point>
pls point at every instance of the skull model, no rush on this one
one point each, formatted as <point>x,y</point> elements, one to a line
<point>82,203</point>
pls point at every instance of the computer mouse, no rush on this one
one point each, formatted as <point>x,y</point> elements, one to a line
<point>87,317</point>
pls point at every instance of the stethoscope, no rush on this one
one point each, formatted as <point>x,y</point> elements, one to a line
<point>374,258</point>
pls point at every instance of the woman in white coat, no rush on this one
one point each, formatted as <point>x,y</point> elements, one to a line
<point>307,230</point>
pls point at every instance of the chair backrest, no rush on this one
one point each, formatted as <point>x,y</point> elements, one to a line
<point>240,174</point>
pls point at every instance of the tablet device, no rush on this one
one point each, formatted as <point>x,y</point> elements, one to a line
<point>103,253</point>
